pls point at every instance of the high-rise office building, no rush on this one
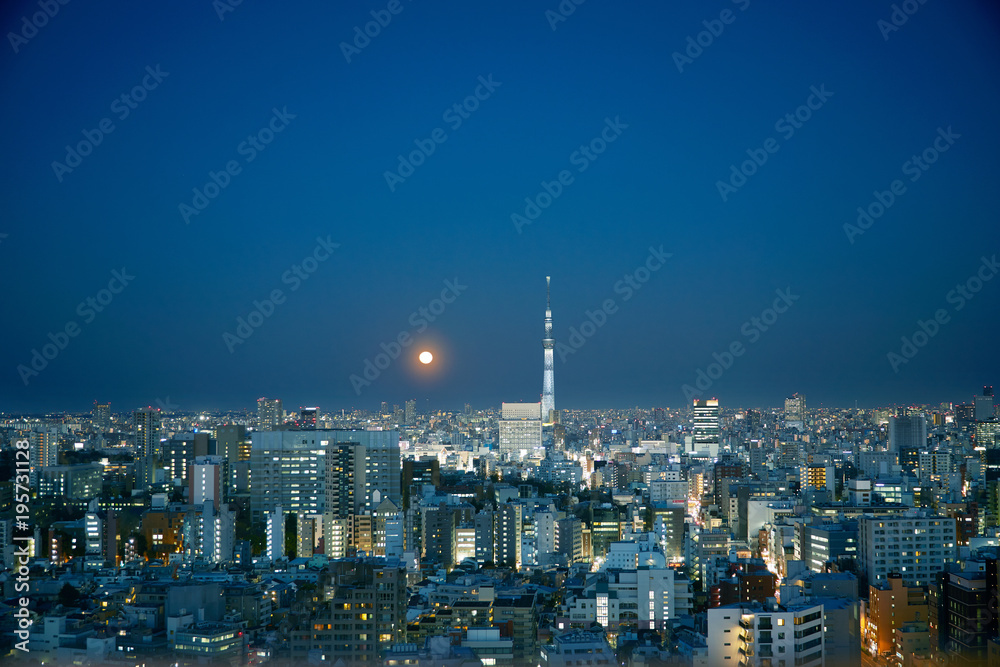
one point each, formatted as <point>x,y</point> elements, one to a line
<point>907,431</point>
<point>795,412</point>
<point>520,428</point>
<point>984,405</point>
<point>289,468</point>
<point>270,414</point>
<point>548,373</point>
<point>965,412</point>
<point>44,451</point>
<point>987,436</point>
<point>308,417</point>
<point>102,415</point>
<point>410,413</point>
<point>706,426</point>
<point>147,444</point>
<point>345,479</point>
<point>147,431</point>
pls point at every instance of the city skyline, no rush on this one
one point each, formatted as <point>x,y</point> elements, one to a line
<point>780,405</point>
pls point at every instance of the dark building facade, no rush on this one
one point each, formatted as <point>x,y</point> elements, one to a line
<point>361,614</point>
<point>960,620</point>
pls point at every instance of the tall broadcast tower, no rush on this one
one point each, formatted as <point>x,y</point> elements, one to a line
<point>548,377</point>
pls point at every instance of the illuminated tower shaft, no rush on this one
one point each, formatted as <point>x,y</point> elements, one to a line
<point>548,377</point>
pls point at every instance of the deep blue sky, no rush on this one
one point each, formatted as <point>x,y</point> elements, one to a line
<point>655,185</point>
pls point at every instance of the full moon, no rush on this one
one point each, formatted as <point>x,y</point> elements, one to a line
<point>426,357</point>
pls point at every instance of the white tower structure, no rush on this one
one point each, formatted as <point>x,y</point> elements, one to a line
<point>548,377</point>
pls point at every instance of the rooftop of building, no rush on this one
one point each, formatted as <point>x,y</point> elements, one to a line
<point>759,608</point>
<point>579,637</point>
<point>515,601</point>
<point>208,628</point>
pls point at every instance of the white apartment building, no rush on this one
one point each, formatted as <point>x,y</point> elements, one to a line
<point>915,544</point>
<point>648,597</point>
<point>935,466</point>
<point>667,491</point>
<point>754,635</point>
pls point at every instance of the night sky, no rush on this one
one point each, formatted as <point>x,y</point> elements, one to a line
<point>631,126</point>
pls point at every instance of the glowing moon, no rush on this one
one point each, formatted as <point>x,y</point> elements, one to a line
<point>426,357</point>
